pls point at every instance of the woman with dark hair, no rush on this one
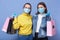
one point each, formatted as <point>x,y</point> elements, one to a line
<point>40,22</point>
<point>23,23</point>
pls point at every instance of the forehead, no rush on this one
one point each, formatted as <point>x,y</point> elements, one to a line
<point>27,5</point>
<point>40,6</point>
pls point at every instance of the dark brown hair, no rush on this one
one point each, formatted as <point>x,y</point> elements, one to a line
<point>42,3</point>
<point>28,4</point>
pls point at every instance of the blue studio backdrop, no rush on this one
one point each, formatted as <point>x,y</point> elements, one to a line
<point>9,7</point>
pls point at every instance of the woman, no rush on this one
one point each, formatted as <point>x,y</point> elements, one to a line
<point>23,23</point>
<point>40,22</point>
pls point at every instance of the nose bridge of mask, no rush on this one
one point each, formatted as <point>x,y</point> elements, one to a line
<point>26,10</point>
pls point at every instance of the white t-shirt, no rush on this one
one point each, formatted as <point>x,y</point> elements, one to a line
<point>40,16</point>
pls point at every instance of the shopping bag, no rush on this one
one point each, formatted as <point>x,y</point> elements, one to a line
<point>5,26</point>
<point>51,31</point>
<point>10,29</point>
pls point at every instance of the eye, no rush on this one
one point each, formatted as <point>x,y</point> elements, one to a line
<point>28,7</point>
<point>41,7</point>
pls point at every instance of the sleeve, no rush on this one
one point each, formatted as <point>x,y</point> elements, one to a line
<point>33,21</point>
<point>16,23</point>
<point>48,17</point>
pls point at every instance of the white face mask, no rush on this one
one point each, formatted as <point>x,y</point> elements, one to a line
<point>26,10</point>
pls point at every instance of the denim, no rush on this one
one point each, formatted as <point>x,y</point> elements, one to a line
<point>26,37</point>
<point>42,32</point>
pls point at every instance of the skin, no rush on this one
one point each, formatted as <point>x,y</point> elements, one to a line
<point>27,6</point>
<point>41,6</point>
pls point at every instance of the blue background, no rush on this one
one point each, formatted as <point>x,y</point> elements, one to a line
<point>9,7</point>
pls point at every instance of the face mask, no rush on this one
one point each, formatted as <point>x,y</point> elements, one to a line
<point>41,10</point>
<point>26,10</point>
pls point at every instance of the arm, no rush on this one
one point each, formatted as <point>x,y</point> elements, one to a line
<point>16,23</point>
<point>48,17</point>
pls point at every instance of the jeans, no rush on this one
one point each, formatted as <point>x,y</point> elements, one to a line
<point>26,37</point>
<point>45,38</point>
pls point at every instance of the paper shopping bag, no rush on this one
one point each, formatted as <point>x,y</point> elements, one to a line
<point>51,28</point>
<point>5,26</point>
<point>10,29</point>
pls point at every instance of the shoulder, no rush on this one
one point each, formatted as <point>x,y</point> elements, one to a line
<point>34,16</point>
<point>48,17</point>
<point>30,16</point>
<point>20,15</point>
<point>48,14</point>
